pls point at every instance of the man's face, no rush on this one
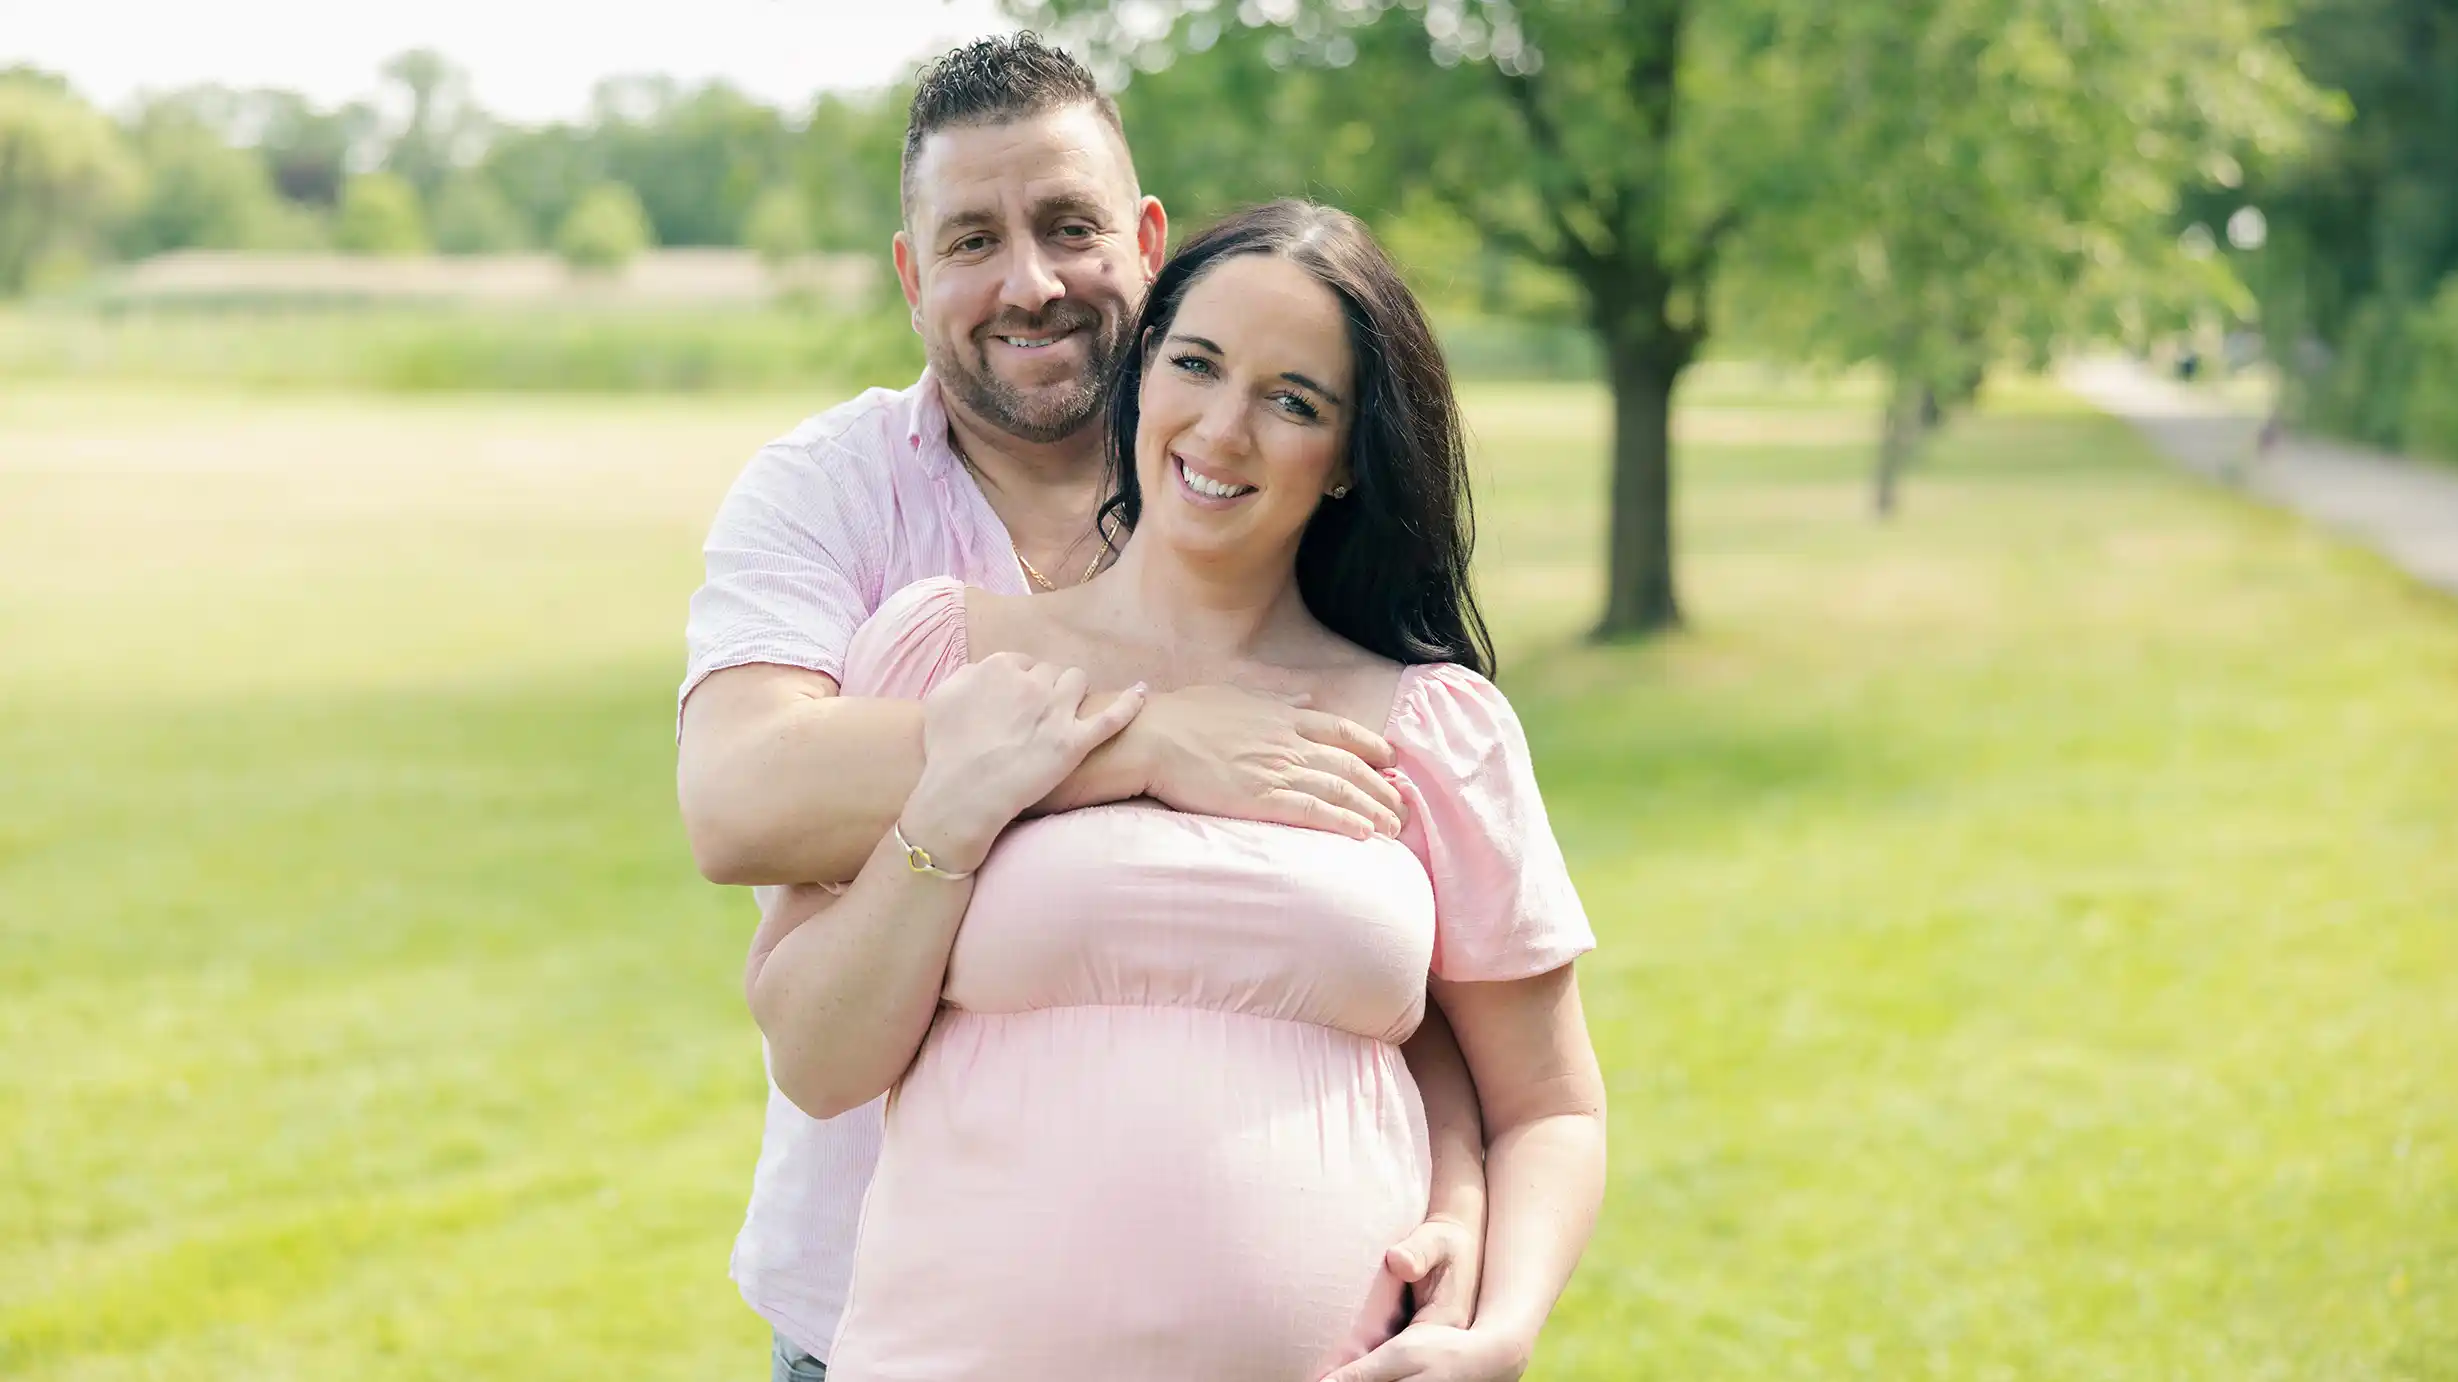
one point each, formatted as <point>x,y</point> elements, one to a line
<point>1024,257</point>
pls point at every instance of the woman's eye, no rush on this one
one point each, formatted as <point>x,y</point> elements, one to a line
<point>1192,364</point>
<point>1296,406</point>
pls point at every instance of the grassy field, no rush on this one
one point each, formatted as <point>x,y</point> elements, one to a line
<point>2030,930</point>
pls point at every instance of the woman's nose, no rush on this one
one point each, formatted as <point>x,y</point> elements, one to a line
<point>1223,425</point>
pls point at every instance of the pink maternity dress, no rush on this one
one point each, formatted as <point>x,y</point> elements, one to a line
<point>1161,1128</point>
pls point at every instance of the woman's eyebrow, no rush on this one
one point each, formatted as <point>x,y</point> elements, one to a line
<point>1212,346</point>
<point>1295,378</point>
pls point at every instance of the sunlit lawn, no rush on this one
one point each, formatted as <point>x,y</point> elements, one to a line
<point>2030,930</point>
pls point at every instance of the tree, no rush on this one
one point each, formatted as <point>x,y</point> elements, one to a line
<point>199,191</point>
<point>1995,179</point>
<point>379,215</point>
<point>543,172</point>
<point>847,162</point>
<point>697,159</point>
<point>1623,144</point>
<point>472,217</point>
<point>441,125</point>
<point>605,230</point>
<point>2362,224</point>
<point>310,152</point>
<point>63,171</point>
<point>779,226</point>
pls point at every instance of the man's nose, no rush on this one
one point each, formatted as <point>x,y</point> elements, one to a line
<point>1032,283</point>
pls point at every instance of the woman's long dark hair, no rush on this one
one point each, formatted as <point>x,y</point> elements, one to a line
<point>1386,567</point>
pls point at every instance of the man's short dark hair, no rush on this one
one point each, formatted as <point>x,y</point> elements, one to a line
<point>992,81</point>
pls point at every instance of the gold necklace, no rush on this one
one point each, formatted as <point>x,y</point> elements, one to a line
<point>956,444</point>
<point>1043,581</point>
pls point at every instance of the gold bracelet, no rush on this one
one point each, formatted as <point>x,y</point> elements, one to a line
<point>918,859</point>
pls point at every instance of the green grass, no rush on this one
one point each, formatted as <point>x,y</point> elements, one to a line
<point>443,348</point>
<point>2030,930</point>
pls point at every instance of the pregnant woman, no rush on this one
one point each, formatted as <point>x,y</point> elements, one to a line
<point>1150,1118</point>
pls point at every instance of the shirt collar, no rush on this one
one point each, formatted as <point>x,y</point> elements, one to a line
<point>927,426</point>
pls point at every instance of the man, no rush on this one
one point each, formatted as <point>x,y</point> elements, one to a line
<point>1026,249</point>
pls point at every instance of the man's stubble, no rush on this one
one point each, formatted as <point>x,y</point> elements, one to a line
<point>1040,416</point>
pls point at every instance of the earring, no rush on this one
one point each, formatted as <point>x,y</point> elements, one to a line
<point>1339,491</point>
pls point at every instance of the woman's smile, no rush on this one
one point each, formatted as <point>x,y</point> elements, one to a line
<point>1206,490</point>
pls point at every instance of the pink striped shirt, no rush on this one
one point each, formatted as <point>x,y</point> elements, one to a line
<point>822,526</point>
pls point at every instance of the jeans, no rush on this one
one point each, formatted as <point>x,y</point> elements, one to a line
<point>790,1364</point>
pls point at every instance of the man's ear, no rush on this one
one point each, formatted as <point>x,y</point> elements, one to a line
<point>909,277</point>
<point>1151,236</point>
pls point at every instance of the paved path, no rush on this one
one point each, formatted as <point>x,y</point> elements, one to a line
<point>2407,510</point>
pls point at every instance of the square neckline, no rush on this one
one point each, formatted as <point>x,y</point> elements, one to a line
<point>1401,685</point>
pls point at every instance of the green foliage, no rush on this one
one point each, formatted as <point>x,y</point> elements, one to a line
<point>64,172</point>
<point>473,217</point>
<point>605,229</point>
<point>542,172</point>
<point>441,119</point>
<point>2363,228</point>
<point>1984,182</point>
<point>2430,427</point>
<point>779,226</point>
<point>2363,395</point>
<point>696,160</point>
<point>379,214</point>
<point>2019,960</point>
<point>200,192</point>
<point>847,164</point>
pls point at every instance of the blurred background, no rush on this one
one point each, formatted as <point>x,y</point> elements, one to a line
<point>1968,492</point>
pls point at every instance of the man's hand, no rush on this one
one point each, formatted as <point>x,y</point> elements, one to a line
<point>1438,1261</point>
<point>1440,1353</point>
<point>1219,751</point>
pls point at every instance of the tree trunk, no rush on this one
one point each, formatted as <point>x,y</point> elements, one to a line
<point>1899,439</point>
<point>1639,593</point>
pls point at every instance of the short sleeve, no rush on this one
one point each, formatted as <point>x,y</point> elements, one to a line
<point>914,642</point>
<point>1504,906</point>
<point>794,562</point>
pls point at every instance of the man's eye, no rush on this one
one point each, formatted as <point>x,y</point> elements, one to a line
<point>972,244</point>
<point>1075,232</point>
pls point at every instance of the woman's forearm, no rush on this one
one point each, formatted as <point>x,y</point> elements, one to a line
<point>1544,1181</point>
<point>846,999</point>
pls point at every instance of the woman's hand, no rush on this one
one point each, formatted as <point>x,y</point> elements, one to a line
<point>1441,1353</point>
<point>996,738</point>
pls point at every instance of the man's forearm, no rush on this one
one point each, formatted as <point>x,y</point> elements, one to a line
<point>783,782</point>
<point>798,792</point>
<point>1453,1123</point>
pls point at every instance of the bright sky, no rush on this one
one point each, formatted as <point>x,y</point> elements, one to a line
<point>529,60</point>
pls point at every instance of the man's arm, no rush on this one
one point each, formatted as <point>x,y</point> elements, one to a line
<point>1441,1257</point>
<point>782,780</point>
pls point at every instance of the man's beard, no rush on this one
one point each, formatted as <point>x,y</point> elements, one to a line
<point>1043,415</point>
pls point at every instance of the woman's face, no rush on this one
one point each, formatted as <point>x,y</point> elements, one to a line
<point>1245,413</point>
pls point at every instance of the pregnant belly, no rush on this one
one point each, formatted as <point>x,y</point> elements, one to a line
<point>1134,1193</point>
